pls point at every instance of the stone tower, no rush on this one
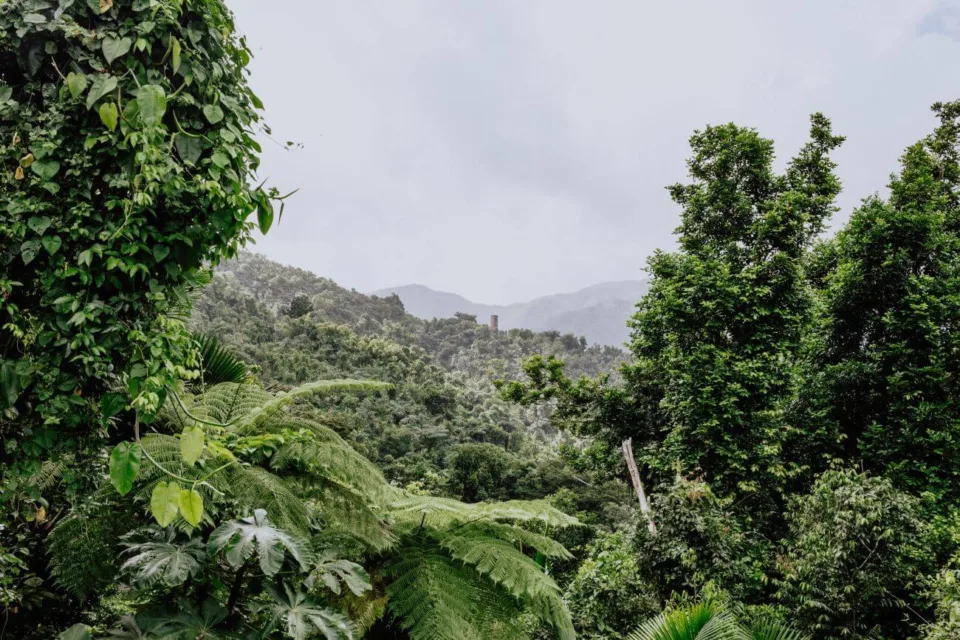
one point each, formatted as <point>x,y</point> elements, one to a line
<point>494,323</point>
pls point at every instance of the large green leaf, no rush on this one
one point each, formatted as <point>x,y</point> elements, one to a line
<point>51,243</point>
<point>38,224</point>
<point>239,539</point>
<point>76,83</point>
<point>113,48</point>
<point>219,363</point>
<point>191,444</point>
<point>29,250</point>
<point>213,113</point>
<point>165,502</point>
<point>163,560</point>
<point>46,168</point>
<point>332,570</point>
<point>191,506</point>
<point>152,102</point>
<point>109,115</point>
<point>101,86</point>
<point>9,383</point>
<point>76,632</point>
<point>124,465</point>
<point>302,618</point>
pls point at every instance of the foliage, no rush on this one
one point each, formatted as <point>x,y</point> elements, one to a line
<point>710,620</point>
<point>609,593</point>
<point>852,557</point>
<point>883,361</point>
<point>699,542</point>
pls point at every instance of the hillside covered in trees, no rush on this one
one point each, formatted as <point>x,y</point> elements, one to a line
<point>199,443</point>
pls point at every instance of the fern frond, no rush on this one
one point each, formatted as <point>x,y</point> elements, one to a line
<point>436,598</point>
<point>333,460</point>
<point>522,538</point>
<point>257,488</point>
<point>281,400</point>
<point>348,514</point>
<point>48,475</point>
<point>82,549</point>
<point>443,512</point>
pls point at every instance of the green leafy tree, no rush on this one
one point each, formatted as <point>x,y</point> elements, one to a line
<point>853,554</point>
<point>299,307</point>
<point>882,385</point>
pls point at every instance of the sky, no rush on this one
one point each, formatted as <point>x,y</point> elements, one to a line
<point>507,149</point>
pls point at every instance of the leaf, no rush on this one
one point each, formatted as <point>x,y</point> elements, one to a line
<point>264,212</point>
<point>34,18</point>
<point>109,115</point>
<point>18,174</point>
<point>241,538</point>
<point>163,561</point>
<point>27,160</point>
<point>190,148</point>
<point>124,465</point>
<point>191,445</point>
<point>6,92</point>
<point>102,85</point>
<point>160,251</point>
<point>213,113</point>
<point>175,59</point>
<point>112,403</point>
<point>51,243</point>
<point>303,618</point>
<point>46,169</point>
<point>113,48</point>
<point>165,502</point>
<point>76,632</point>
<point>9,384</point>
<point>152,102</point>
<point>76,83</point>
<point>191,506</point>
<point>38,224</point>
<point>29,250</point>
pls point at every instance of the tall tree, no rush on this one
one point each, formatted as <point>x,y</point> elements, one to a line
<point>716,336</point>
<point>882,386</point>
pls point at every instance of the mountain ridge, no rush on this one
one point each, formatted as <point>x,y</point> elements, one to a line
<point>599,311</point>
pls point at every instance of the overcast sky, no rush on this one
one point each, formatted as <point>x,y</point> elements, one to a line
<point>509,149</point>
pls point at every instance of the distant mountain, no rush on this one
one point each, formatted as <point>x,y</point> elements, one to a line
<point>599,312</point>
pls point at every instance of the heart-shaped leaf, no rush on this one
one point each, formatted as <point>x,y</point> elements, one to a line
<point>102,85</point>
<point>9,384</point>
<point>29,251</point>
<point>213,113</point>
<point>38,224</point>
<point>113,48</point>
<point>191,445</point>
<point>160,252</point>
<point>27,160</point>
<point>109,115</point>
<point>152,102</point>
<point>165,502</point>
<point>51,243</point>
<point>191,506</point>
<point>46,169</point>
<point>190,148</point>
<point>6,92</point>
<point>76,83</point>
<point>124,465</point>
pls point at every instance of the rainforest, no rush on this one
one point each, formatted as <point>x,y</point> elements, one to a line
<point>199,442</point>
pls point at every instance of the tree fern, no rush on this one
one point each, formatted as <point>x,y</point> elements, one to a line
<point>437,598</point>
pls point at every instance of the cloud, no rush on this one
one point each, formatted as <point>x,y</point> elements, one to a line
<point>506,149</point>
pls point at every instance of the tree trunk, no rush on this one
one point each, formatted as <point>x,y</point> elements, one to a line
<point>638,485</point>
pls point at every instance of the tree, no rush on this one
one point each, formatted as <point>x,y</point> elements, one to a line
<point>882,381</point>
<point>299,307</point>
<point>716,337</point>
<point>853,552</point>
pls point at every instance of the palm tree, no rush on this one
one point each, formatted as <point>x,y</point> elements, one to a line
<point>710,620</point>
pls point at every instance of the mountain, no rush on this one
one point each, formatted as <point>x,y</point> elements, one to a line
<point>599,312</point>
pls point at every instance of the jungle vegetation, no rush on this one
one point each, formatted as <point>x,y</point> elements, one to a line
<point>200,443</point>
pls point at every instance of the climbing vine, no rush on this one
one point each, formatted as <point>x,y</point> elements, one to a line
<point>127,162</point>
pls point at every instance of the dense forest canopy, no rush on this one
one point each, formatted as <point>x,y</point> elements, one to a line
<point>198,442</point>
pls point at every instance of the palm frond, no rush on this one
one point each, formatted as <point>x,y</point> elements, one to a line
<point>218,364</point>
<point>773,630</point>
<point>700,621</point>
